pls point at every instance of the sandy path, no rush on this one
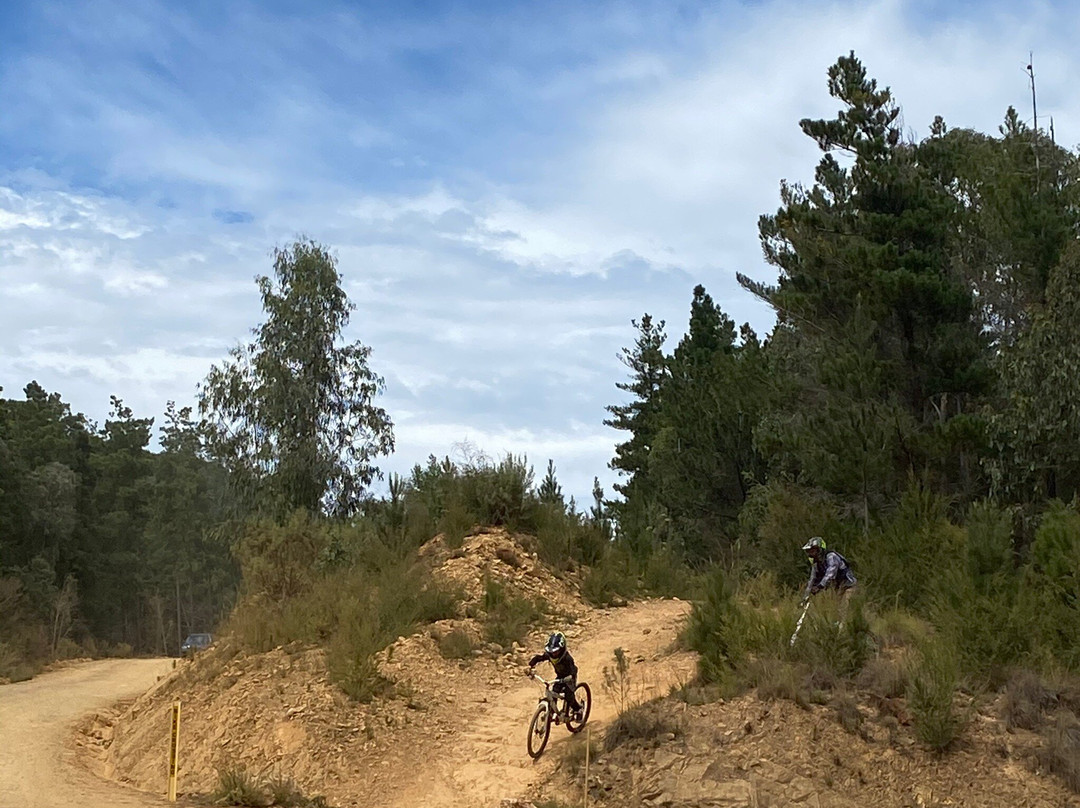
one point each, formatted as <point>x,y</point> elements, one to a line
<point>37,764</point>
<point>487,761</point>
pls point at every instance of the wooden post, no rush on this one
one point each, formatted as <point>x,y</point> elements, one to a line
<point>174,750</point>
<point>588,743</point>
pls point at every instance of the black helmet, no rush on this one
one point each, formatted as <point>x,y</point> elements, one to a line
<point>815,546</point>
<point>556,645</point>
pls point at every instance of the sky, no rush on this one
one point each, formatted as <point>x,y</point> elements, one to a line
<point>506,186</point>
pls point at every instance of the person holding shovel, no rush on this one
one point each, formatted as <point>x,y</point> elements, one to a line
<point>827,569</point>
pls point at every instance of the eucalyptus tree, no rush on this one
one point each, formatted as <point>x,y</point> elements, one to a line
<point>292,412</point>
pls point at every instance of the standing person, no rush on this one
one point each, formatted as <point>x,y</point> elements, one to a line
<point>557,654</point>
<point>827,569</point>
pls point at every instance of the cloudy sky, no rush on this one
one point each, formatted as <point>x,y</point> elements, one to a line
<point>506,185</point>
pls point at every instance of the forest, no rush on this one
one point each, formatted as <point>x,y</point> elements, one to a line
<point>917,404</point>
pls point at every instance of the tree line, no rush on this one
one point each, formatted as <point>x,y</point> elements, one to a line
<point>918,400</point>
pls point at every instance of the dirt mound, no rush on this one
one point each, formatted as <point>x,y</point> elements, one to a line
<point>494,554</point>
<point>277,714</point>
<point>749,753</point>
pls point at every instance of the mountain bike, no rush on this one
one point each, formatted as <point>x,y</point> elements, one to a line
<point>552,709</point>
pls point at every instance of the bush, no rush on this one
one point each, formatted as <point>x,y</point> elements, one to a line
<point>897,627</point>
<point>932,678</point>
<point>848,714</point>
<point>1051,588</point>
<point>1060,752</point>
<point>574,756</point>
<point>774,678</point>
<point>667,575</point>
<point>717,629</point>
<point>645,724</point>
<point>885,678</point>
<point>773,524</point>
<point>837,635</point>
<point>902,561</point>
<point>1026,697</point>
<point>456,644</point>
<point>237,787</point>
<point>618,680</point>
<point>509,617</point>
<point>610,581</point>
<point>455,524</point>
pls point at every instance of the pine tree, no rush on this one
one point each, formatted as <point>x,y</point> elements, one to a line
<point>648,369</point>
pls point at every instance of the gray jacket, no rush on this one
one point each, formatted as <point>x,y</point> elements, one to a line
<point>832,570</point>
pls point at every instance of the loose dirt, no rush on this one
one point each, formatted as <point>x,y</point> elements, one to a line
<point>37,759</point>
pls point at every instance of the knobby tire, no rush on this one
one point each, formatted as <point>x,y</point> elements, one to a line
<point>539,732</point>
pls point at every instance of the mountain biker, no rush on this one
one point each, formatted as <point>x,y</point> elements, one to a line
<point>557,654</point>
<point>827,569</point>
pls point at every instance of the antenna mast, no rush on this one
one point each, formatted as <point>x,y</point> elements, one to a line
<point>1035,116</point>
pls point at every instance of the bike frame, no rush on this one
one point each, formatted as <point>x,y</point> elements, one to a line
<point>551,697</point>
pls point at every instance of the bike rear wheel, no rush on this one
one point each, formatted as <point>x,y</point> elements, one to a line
<point>584,698</point>
<point>539,730</point>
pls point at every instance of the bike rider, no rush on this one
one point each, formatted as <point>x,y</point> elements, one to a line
<point>556,653</point>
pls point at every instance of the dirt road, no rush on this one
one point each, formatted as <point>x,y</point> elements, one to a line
<point>487,760</point>
<point>37,765</point>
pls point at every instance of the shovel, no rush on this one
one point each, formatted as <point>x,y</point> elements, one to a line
<point>798,626</point>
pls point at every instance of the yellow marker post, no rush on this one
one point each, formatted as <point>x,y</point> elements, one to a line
<point>174,750</point>
<point>588,742</point>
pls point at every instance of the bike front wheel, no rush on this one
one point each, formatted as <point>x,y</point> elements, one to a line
<point>539,730</point>
<point>584,697</point>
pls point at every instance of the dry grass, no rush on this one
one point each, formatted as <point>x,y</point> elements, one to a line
<point>1026,699</point>
<point>644,724</point>
<point>1061,749</point>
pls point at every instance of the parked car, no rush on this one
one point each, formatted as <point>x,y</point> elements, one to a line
<point>195,643</point>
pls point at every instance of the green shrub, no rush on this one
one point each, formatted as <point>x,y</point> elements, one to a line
<point>897,627</point>
<point>610,581</point>
<point>351,659</point>
<point>284,791</point>
<point>509,617</point>
<point>837,635</point>
<point>1050,595</point>
<point>774,679</point>
<point>717,628</point>
<point>237,787</point>
<point>456,644</point>
<point>455,524</point>
<point>773,524</point>
<point>932,679</point>
<point>901,562</point>
<point>574,755</point>
<point>618,680</point>
<point>644,724</point>
<point>667,575</point>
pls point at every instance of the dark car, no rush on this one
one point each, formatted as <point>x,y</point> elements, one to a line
<point>195,643</point>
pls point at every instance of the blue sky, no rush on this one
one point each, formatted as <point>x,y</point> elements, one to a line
<point>506,185</point>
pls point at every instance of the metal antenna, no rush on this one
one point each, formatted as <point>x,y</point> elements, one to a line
<point>1035,116</point>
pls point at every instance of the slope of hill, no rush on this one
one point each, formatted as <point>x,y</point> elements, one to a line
<point>452,730</point>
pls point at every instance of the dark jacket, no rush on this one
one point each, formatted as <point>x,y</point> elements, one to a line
<point>564,665</point>
<point>832,570</point>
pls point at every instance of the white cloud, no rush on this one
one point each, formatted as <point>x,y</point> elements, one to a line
<point>495,268</point>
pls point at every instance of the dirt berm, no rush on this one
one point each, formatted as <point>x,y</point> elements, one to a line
<point>453,734</point>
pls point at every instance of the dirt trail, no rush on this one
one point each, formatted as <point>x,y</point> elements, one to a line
<point>37,763</point>
<point>486,761</point>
